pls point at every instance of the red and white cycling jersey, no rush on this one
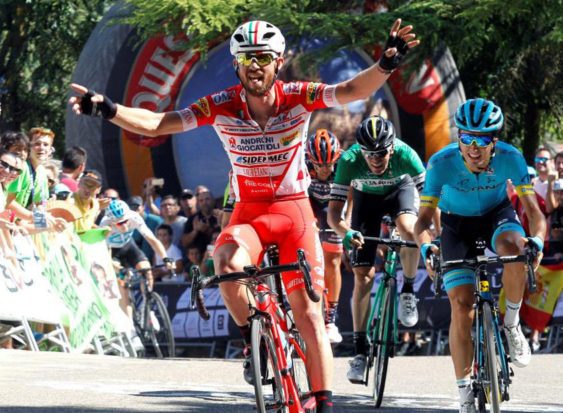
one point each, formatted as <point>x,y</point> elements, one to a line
<point>267,164</point>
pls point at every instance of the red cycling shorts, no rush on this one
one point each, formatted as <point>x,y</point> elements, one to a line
<point>290,224</point>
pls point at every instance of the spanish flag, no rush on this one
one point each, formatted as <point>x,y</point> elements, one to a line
<point>537,308</point>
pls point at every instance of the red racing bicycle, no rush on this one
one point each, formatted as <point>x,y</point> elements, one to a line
<point>281,383</point>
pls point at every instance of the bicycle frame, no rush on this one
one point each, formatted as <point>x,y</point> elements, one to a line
<point>389,271</point>
<point>275,312</point>
<point>483,295</point>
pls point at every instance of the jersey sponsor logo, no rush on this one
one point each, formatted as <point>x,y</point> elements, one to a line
<point>287,139</point>
<point>232,142</point>
<point>223,97</point>
<point>293,88</point>
<point>201,108</point>
<point>189,117</point>
<point>260,159</point>
<point>374,183</point>
<point>280,118</point>
<point>254,172</point>
<point>312,89</point>
<point>262,143</point>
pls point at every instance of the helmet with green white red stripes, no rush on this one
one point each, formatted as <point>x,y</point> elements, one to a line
<point>257,36</point>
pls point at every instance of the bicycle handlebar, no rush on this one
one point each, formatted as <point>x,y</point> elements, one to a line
<point>392,242</point>
<point>199,282</point>
<point>530,253</point>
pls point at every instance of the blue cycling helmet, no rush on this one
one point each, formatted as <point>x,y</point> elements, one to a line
<point>116,209</point>
<point>479,115</point>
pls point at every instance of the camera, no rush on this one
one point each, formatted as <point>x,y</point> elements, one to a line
<point>558,185</point>
<point>157,182</point>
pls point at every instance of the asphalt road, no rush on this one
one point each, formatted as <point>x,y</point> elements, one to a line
<point>65,383</point>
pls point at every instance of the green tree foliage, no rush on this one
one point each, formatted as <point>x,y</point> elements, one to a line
<point>508,51</point>
<point>40,42</point>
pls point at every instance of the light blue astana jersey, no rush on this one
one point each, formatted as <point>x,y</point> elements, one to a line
<point>452,187</point>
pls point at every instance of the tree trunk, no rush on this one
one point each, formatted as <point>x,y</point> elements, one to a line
<point>531,132</point>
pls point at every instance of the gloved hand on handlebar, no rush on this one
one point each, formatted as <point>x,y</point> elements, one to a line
<point>352,239</point>
<point>170,263</point>
<point>426,251</point>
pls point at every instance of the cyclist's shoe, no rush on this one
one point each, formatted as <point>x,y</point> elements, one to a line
<point>518,346</point>
<point>357,369</point>
<point>408,313</point>
<point>247,364</point>
<point>467,407</point>
<point>137,344</point>
<point>333,333</point>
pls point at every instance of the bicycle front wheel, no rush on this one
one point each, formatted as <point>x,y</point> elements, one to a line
<point>384,340</point>
<point>158,323</point>
<point>299,371</point>
<point>492,384</point>
<point>268,384</point>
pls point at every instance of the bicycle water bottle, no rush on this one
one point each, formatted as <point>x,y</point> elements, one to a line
<point>40,215</point>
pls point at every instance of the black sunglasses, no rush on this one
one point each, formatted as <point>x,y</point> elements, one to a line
<point>9,167</point>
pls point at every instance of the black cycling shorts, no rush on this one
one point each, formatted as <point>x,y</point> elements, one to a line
<point>369,209</point>
<point>459,235</point>
<point>129,255</point>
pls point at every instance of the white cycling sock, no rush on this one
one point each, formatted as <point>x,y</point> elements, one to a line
<point>465,390</point>
<point>512,316</point>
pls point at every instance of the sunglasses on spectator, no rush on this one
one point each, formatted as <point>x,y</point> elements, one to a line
<point>479,140</point>
<point>10,168</point>
<point>120,223</point>
<point>541,159</point>
<point>263,59</point>
<point>375,154</point>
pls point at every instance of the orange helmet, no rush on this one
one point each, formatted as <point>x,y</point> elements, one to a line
<point>323,148</point>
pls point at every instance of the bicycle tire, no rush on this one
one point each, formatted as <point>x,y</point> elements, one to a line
<point>491,364</point>
<point>273,399</point>
<point>382,348</point>
<point>162,337</point>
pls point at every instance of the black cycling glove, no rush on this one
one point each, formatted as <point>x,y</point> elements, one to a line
<point>388,64</point>
<point>106,109</point>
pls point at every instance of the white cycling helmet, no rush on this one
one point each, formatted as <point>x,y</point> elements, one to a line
<point>257,36</point>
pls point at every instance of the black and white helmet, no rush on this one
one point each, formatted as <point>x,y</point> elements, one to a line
<point>375,133</point>
<point>257,36</point>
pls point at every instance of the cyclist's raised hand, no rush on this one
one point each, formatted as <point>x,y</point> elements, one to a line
<point>400,40</point>
<point>91,103</point>
<point>353,239</point>
<point>430,254</point>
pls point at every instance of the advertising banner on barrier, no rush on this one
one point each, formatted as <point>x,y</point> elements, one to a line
<point>24,293</point>
<point>103,275</point>
<point>67,269</point>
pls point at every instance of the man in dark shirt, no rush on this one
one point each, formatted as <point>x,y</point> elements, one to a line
<point>200,227</point>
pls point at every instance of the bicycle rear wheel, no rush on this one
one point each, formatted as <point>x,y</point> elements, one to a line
<point>492,387</point>
<point>157,322</point>
<point>383,342</point>
<point>268,384</point>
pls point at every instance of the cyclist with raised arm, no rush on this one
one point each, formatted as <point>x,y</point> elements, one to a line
<point>385,174</point>
<point>323,151</point>
<point>467,180</point>
<point>262,123</point>
<point>122,223</point>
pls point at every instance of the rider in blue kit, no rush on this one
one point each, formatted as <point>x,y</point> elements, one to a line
<point>467,181</point>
